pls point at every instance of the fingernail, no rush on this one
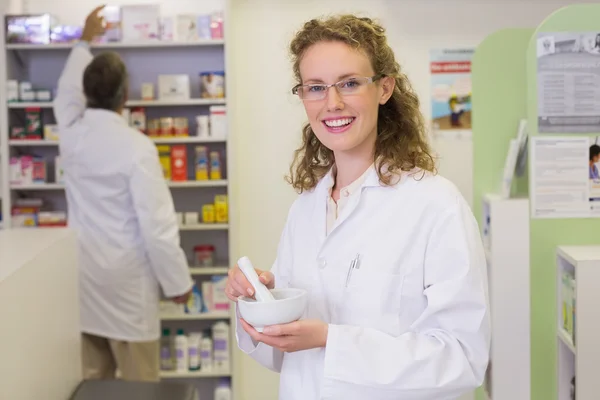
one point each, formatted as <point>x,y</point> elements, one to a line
<point>267,330</point>
<point>250,292</point>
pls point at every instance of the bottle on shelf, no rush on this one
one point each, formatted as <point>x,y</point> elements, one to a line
<point>223,390</point>
<point>181,351</point>
<point>166,351</point>
<point>206,352</point>
<point>194,340</point>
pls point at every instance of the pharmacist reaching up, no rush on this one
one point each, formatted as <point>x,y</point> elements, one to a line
<point>121,208</point>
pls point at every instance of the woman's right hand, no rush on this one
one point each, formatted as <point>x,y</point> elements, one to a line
<point>238,285</point>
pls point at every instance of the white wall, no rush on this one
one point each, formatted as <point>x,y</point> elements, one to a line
<point>267,118</point>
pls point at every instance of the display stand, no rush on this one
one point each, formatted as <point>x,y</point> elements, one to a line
<point>499,103</point>
<point>42,64</point>
<point>578,274</point>
<point>547,234</point>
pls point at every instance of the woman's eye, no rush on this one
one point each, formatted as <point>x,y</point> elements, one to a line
<point>315,88</point>
<point>350,84</point>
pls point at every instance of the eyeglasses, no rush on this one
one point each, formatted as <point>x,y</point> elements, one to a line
<point>345,87</point>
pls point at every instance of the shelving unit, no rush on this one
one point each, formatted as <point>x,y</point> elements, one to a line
<point>506,242</point>
<point>577,331</point>
<point>42,64</point>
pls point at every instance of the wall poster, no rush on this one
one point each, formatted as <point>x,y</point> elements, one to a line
<point>451,91</point>
<point>565,178</point>
<point>568,82</point>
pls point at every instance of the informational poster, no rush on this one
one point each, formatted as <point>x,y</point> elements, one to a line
<point>568,82</point>
<point>565,179</point>
<point>451,91</point>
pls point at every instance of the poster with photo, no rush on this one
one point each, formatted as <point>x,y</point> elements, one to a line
<point>565,177</point>
<point>451,89</point>
<point>568,82</point>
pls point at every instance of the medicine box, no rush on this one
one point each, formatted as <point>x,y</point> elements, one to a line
<point>174,87</point>
<point>186,29</point>
<point>179,163</point>
<point>221,209</point>
<point>30,28</point>
<point>140,22</point>
<point>164,156</point>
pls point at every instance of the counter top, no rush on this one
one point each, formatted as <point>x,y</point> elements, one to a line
<point>20,245</point>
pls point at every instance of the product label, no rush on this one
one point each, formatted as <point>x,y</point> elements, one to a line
<point>220,345</point>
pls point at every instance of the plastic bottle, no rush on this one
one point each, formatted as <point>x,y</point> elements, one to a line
<point>194,351</point>
<point>166,351</point>
<point>206,353</point>
<point>181,351</point>
<point>223,390</point>
<point>221,346</point>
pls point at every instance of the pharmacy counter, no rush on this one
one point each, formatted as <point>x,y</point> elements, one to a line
<point>40,356</point>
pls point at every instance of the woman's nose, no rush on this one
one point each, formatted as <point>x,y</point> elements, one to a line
<point>334,100</point>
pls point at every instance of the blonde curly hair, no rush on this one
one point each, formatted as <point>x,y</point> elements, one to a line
<point>401,143</point>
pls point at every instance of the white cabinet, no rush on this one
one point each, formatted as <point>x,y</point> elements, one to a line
<point>578,322</point>
<point>506,241</point>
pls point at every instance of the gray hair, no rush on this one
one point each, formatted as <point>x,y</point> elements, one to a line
<point>105,82</point>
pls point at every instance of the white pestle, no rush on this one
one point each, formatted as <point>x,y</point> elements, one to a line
<point>261,292</point>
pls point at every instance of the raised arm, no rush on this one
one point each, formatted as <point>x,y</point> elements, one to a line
<point>70,102</point>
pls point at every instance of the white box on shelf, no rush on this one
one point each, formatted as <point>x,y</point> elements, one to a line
<point>167,29</point>
<point>186,27</point>
<point>12,90</point>
<point>140,22</point>
<point>218,121</point>
<point>59,175</point>
<point>174,87</point>
<point>578,327</point>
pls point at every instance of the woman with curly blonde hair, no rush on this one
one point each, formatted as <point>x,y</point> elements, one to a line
<point>388,251</point>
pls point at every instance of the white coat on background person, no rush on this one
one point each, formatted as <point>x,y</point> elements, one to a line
<point>121,208</point>
<point>411,320</point>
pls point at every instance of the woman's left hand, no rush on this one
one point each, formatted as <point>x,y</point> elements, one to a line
<point>299,335</point>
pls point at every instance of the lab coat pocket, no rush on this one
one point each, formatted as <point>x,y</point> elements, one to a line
<point>373,299</point>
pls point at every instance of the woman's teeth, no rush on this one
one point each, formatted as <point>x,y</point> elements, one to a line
<point>335,123</point>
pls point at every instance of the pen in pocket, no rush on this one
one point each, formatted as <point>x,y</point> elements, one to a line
<point>353,265</point>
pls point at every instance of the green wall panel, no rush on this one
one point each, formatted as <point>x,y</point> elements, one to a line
<point>547,234</point>
<point>499,102</point>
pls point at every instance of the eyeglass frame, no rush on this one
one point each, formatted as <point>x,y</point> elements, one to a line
<point>371,79</point>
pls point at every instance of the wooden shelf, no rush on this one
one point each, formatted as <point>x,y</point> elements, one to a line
<point>202,316</point>
<point>209,270</point>
<point>32,142</point>
<point>118,45</point>
<point>204,227</point>
<point>193,374</point>
<point>39,186</point>
<point>131,103</point>
<point>196,184</point>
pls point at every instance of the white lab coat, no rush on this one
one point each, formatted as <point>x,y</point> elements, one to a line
<point>122,210</point>
<point>413,322</point>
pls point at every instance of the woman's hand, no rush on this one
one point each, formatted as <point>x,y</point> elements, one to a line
<point>295,336</point>
<point>238,285</point>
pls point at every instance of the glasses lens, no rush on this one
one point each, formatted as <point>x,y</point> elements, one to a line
<point>352,85</point>
<point>312,92</point>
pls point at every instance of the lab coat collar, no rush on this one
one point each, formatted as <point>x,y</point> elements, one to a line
<point>371,180</point>
<point>322,192</point>
<point>99,114</point>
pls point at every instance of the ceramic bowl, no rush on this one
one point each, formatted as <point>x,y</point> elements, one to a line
<point>288,306</point>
